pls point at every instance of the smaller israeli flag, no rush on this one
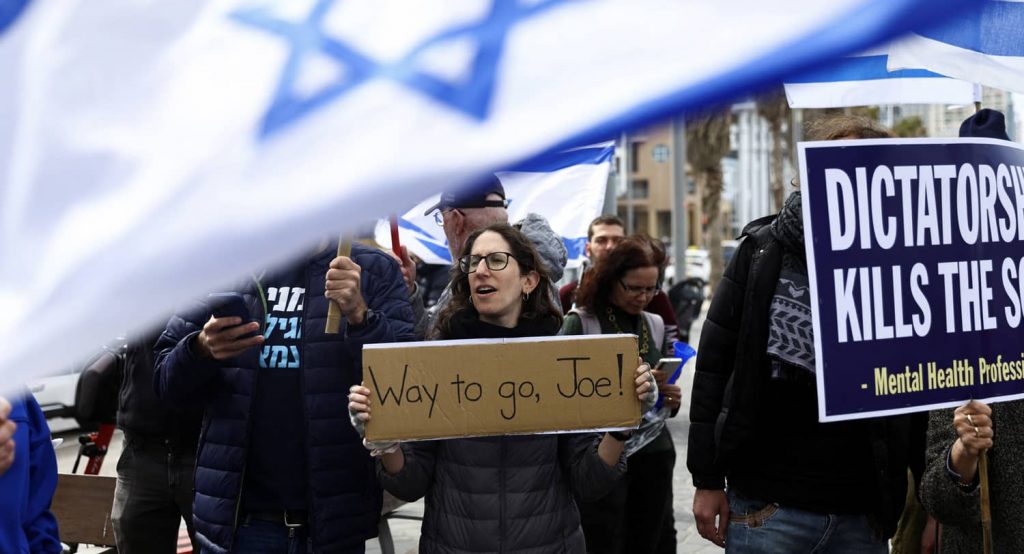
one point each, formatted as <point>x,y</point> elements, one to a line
<point>984,45</point>
<point>565,187</point>
<point>864,79</point>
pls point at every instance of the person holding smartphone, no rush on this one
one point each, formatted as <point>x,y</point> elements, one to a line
<point>278,465</point>
<point>636,516</point>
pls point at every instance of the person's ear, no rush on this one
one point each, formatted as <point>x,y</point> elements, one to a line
<point>586,249</point>
<point>530,281</point>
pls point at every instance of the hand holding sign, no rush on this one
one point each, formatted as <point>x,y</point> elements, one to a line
<point>973,424</point>
<point>359,413</point>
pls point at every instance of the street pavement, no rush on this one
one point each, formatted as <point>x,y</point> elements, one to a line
<point>405,531</point>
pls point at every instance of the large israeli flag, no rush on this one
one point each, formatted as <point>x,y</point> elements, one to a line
<point>983,44</point>
<point>567,188</point>
<point>864,79</point>
<point>152,151</point>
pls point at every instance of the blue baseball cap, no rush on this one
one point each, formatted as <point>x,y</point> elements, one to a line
<point>472,197</point>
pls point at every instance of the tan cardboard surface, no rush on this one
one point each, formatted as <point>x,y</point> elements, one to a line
<point>427,390</point>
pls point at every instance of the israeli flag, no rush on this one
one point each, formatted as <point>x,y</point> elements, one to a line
<point>567,188</point>
<point>983,44</point>
<point>154,151</point>
<point>864,79</point>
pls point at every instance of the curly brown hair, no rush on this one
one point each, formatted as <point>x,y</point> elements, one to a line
<point>834,127</point>
<point>538,306</point>
<point>632,252</point>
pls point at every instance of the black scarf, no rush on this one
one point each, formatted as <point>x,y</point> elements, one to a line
<point>791,337</point>
<point>467,325</point>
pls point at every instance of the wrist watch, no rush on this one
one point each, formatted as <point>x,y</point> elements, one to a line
<point>366,320</point>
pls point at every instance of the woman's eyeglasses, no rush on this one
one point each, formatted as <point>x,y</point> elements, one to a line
<point>496,261</point>
<point>637,291</point>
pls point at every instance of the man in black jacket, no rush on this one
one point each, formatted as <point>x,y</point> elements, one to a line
<point>154,473</point>
<point>754,427</point>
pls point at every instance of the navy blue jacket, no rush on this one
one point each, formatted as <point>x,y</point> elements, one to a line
<point>344,495</point>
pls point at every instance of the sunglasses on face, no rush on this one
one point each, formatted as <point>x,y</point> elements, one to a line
<point>496,261</point>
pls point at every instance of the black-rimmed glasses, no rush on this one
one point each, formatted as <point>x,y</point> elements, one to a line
<point>496,261</point>
<point>636,291</point>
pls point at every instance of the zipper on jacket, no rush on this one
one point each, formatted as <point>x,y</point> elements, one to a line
<point>310,533</point>
<point>248,423</point>
<point>501,497</point>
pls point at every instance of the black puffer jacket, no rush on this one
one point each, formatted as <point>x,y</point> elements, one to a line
<point>733,370</point>
<point>502,494</point>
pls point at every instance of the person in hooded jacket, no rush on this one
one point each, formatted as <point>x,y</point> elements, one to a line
<point>502,493</point>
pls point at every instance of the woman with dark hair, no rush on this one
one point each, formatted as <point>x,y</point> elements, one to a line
<point>637,515</point>
<point>503,493</point>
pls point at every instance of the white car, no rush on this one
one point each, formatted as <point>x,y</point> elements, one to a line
<point>56,396</point>
<point>698,264</point>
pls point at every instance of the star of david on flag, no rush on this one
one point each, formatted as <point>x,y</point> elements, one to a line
<point>306,37</point>
<point>153,152</point>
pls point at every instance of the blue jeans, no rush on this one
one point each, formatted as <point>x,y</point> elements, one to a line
<point>268,537</point>
<point>759,527</point>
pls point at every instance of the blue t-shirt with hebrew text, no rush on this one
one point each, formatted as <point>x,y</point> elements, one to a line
<point>276,476</point>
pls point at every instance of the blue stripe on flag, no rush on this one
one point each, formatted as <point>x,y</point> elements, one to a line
<point>864,26</point>
<point>995,28</point>
<point>553,161</point>
<point>574,247</point>
<point>859,68</point>
<point>9,12</point>
<point>439,250</point>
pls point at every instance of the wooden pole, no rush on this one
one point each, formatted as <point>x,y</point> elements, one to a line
<point>333,311</point>
<point>986,507</point>
<point>396,243</point>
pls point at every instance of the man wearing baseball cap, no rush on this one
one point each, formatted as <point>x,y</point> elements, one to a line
<point>463,211</point>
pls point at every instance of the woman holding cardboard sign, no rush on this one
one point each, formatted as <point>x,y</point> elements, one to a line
<point>503,493</point>
<point>636,516</point>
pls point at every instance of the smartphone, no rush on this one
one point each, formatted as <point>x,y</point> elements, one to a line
<point>230,304</point>
<point>668,365</point>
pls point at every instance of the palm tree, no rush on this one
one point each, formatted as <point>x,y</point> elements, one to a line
<point>707,142</point>
<point>774,108</point>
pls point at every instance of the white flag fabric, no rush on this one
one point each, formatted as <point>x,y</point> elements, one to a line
<point>154,151</point>
<point>864,80</point>
<point>567,188</point>
<point>983,44</point>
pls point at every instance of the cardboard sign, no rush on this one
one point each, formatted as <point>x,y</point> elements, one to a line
<point>442,389</point>
<point>915,257</point>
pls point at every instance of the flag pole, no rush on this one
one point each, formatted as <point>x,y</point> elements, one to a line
<point>986,507</point>
<point>396,244</point>
<point>333,311</point>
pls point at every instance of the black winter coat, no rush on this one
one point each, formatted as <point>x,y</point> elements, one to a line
<point>345,498</point>
<point>733,366</point>
<point>503,494</point>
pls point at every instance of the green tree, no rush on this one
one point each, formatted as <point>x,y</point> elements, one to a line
<point>774,108</point>
<point>707,142</point>
<point>910,127</point>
